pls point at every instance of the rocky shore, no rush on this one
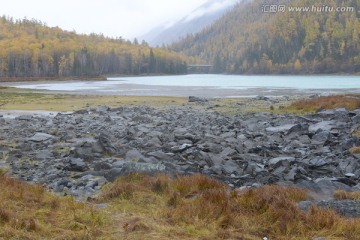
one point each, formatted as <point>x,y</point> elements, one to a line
<point>77,153</point>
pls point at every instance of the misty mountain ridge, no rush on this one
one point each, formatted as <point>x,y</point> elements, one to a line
<point>194,22</point>
<point>249,40</point>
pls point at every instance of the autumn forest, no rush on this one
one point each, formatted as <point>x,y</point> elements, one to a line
<point>29,48</point>
<point>245,40</point>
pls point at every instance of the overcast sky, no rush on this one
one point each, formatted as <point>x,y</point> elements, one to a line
<point>114,18</point>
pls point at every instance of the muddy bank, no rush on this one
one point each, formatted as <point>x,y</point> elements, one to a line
<point>36,113</point>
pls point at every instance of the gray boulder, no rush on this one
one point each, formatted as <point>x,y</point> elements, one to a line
<point>103,109</point>
<point>324,126</point>
<point>106,143</point>
<point>322,137</point>
<point>197,99</point>
<point>24,118</point>
<point>41,137</point>
<point>282,129</point>
<point>231,167</point>
<point>130,167</point>
<point>76,164</point>
<point>281,161</point>
<point>135,155</point>
<point>346,208</point>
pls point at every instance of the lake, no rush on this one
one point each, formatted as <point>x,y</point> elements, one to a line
<point>206,85</point>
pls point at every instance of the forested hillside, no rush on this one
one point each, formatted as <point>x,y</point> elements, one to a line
<point>250,39</point>
<point>28,48</point>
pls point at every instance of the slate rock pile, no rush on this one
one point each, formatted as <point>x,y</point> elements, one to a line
<point>78,153</point>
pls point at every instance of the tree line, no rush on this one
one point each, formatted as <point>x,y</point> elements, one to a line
<point>29,48</point>
<point>251,40</point>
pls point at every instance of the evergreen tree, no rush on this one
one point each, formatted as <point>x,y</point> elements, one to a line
<point>28,48</point>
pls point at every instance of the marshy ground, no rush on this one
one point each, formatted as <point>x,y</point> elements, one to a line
<point>20,99</point>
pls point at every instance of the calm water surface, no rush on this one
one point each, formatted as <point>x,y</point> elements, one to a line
<point>231,81</point>
<point>205,85</point>
<point>214,81</point>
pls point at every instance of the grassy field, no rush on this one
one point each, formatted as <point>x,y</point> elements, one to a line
<point>29,212</point>
<point>13,99</point>
<point>188,207</point>
<point>16,99</point>
<point>349,102</point>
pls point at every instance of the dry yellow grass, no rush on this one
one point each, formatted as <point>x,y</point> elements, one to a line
<point>24,99</point>
<point>14,100</point>
<point>356,133</point>
<point>29,212</point>
<point>160,207</point>
<point>20,99</point>
<point>197,207</point>
<point>350,102</point>
<point>355,150</point>
<point>343,195</point>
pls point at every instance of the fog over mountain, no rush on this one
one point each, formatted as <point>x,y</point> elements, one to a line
<point>248,40</point>
<point>192,23</point>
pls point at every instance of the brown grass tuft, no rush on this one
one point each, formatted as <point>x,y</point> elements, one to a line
<point>160,207</point>
<point>355,150</point>
<point>135,225</point>
<point>160,184</point>
<point>206,207</point>
<point>120,190</point>
<point>349,102</point>
<point>4,216</point>
<point>343,195</point>
<point>199,207</point>
<point>126,186</point>
<point>29,212</point>
<point>356,133</point>
<point>320,219</point>
<point>188,185</point>
<point>27,225</point>
<point>274,207</point>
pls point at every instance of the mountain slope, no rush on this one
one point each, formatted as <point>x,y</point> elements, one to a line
<point>192,23</point>
<point>28,48</point>
<point>248,40</point>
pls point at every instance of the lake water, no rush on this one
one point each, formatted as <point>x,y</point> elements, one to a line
<point>242,82</point>
<point>206,85</point>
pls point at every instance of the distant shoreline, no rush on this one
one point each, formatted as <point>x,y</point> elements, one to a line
<point>76,78</point>
<point>37,79</point>
<point>104,78</point>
